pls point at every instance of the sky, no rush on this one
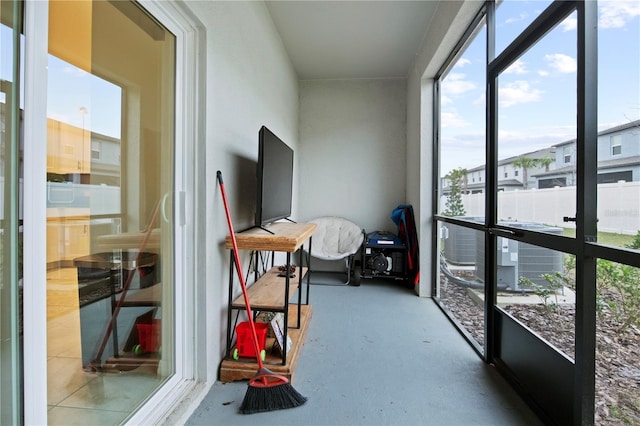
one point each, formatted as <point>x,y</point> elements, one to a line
<point>537,100</point>
<point>537,94</point>
<point>82,99</point>
<point>74,96</point>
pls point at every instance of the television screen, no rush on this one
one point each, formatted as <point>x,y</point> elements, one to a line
<point>275,178</point>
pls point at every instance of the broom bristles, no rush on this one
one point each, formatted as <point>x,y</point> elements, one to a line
<point>277,395</point>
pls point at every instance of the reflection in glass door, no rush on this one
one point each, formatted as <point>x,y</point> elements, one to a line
<point>109,232</point>
<point>10,219</point>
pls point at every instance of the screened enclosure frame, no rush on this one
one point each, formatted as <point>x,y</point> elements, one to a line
<point>579,399</point>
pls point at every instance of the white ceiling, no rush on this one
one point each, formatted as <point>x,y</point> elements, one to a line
<point>352,39</point>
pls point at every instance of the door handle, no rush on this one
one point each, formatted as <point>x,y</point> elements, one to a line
<point>502,232</point>
<point>163,204</point>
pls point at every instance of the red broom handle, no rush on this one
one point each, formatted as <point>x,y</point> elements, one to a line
<point>239,271</point>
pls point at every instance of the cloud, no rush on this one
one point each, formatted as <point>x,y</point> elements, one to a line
<point>616,14</point>
<point>77,72</point>
<point>521,17</point>
<point>562,63</point>
<point>518,92</point>
<point>569,24</point>
<point>518,67</point>
<point>452,119</point>
<point>481,101</point>
<point>462,62</point>
<point>515,142</point>
<point>445,100</point>
<point>455,84</point>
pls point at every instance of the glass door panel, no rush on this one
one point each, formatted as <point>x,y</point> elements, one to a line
<point>110,144</point>
<point>536,169</point>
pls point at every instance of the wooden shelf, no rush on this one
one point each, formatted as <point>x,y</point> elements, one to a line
<point>270,293</point>
<point>286,237</point>
<point>244,369</point>
<point>266,294</point>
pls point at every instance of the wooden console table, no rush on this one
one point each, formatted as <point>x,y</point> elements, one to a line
<point>270,293</point>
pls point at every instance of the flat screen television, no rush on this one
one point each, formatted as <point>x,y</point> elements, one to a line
<point>275,178</point>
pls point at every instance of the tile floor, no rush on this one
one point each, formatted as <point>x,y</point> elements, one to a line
<point>76,397</point>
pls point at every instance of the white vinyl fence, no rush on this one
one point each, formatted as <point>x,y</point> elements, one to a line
<point>618,206</point>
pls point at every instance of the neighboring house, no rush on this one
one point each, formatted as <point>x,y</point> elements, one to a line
<point>510,176</point>
<point>618,160</point>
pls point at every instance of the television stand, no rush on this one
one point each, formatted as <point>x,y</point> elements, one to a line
<point>270,293</point>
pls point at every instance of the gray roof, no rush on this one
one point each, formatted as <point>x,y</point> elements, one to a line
<point>541,153</point>
<point>607,164</point>
<point>635,123</point>
<point>509,182</point>
<point>550,152</point>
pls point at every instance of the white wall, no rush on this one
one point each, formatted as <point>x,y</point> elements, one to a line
<point>250,82</point>
<point>352,150</point>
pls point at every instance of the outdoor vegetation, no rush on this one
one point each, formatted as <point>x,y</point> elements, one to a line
<point>454,205</point>
<point>526,163</point>
<point>617,336</point>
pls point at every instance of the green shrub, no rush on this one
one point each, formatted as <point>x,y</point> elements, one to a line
<point>635,243</point>
<point>624,282</point>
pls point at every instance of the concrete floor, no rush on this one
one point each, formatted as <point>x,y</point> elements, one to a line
<point>379,355</point>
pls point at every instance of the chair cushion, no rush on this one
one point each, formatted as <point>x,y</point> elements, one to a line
<point>335,238</point>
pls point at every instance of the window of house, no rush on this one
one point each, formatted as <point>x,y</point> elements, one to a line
<point>566,152</point>
<point>96,148</point>
<point>616,145</point>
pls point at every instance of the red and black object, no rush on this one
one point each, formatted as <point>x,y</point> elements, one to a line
<point>403,217</point>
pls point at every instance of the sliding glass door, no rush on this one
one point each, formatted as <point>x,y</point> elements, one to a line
<point>92,327</point>
<point>110,146</point>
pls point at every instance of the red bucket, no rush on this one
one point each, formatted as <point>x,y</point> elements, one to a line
<point>149,335</point>
<point>245,338</point>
